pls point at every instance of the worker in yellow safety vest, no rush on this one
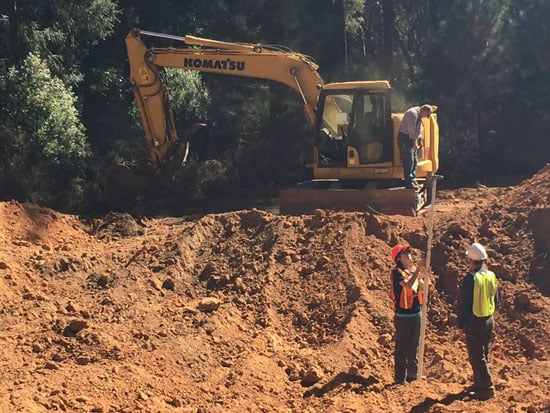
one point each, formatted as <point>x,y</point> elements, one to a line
<point>406,293</point>
<point>478,302</point>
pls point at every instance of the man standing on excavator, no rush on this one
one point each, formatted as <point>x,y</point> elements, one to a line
<point>409,140</point>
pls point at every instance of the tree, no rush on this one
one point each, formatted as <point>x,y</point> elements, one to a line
<point>42,137</point>
<point>527,118</point>
<point>483,65</point>
<point>60,32</point>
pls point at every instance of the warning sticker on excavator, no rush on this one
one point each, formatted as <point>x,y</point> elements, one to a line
<point>143,75</point>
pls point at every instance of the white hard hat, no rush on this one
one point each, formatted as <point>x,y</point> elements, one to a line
<point>476,252</point>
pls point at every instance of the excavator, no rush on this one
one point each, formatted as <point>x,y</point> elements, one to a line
<point>356,163</point>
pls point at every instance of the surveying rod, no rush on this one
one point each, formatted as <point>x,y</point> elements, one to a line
<point>427,280</point>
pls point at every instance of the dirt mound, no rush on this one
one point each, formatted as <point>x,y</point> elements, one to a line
<point>251,311</point>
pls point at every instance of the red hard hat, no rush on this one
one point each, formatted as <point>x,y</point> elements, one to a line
<point>398,249</point>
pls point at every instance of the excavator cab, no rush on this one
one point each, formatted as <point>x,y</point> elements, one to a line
<point>355,123</point>
<point>356,161</point>
<point>357,118</point>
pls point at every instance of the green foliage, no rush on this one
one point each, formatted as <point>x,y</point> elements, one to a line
<point>44,109</point>
<point>528,93</point>
<point>272,151</point>
<point>189,95</point>
<point>354,18</point>
<point>239,113</point>
<point>44,140</point>
<point>60,32</point>
<point>479,66</point>
<point>200,180</point>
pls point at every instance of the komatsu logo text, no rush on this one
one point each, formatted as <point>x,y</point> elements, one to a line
<point>226,64</point>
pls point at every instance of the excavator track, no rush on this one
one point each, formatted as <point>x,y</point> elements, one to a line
<point>305,198</point>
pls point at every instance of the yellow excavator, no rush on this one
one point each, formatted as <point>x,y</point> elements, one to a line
<point>356,163</point>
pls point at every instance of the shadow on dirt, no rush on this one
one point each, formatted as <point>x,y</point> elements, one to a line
<point>340,379</point>
<point>447,400</point>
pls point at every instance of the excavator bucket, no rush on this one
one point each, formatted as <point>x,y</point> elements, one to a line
<point>123,183</point>
<point>389,201</point>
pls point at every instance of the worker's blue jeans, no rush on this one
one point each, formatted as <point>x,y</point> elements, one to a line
<point>409,158</point>
<point>407,336</point>
<point>479,332</point>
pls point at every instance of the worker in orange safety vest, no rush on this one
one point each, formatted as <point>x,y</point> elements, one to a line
<point>406,293</point>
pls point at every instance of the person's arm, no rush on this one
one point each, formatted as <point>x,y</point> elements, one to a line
<point>410,282</point>
<point>419,128</point>
<point>419,142</point>
<point>396,286</point>
<point>410,125</point>
<point>466,300</point>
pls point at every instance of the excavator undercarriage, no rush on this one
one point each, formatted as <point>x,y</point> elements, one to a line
<point>304,198</point>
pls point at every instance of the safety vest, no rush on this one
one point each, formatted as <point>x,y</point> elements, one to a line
<point>406,298</point>
<point>485,289</point>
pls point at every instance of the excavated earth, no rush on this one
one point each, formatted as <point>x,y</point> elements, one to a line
<point>252,311</point>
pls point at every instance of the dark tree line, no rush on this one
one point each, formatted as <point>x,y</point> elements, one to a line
<point>67,109</point>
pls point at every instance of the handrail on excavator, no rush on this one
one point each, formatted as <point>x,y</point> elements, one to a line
<point>160,35</point>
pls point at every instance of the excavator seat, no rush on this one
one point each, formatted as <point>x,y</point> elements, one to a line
<point>364,139</point>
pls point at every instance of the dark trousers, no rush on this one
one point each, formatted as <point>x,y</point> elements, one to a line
<point>479,332</point>
<point>409,157</point>
<point>407,335</point>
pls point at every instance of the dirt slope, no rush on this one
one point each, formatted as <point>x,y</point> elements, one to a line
<point>249,311</point>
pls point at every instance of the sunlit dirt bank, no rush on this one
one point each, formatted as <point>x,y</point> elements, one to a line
<point>251,311</point>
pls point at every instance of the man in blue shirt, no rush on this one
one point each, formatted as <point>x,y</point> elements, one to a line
<point>409,141</point>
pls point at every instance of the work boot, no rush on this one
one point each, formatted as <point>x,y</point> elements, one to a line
<point>472,388</point>
<point>484,394</point>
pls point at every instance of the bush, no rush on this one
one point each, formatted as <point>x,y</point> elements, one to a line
<point>43,139</point>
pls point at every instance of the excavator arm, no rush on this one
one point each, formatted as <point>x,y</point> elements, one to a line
<point>293,69</point>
